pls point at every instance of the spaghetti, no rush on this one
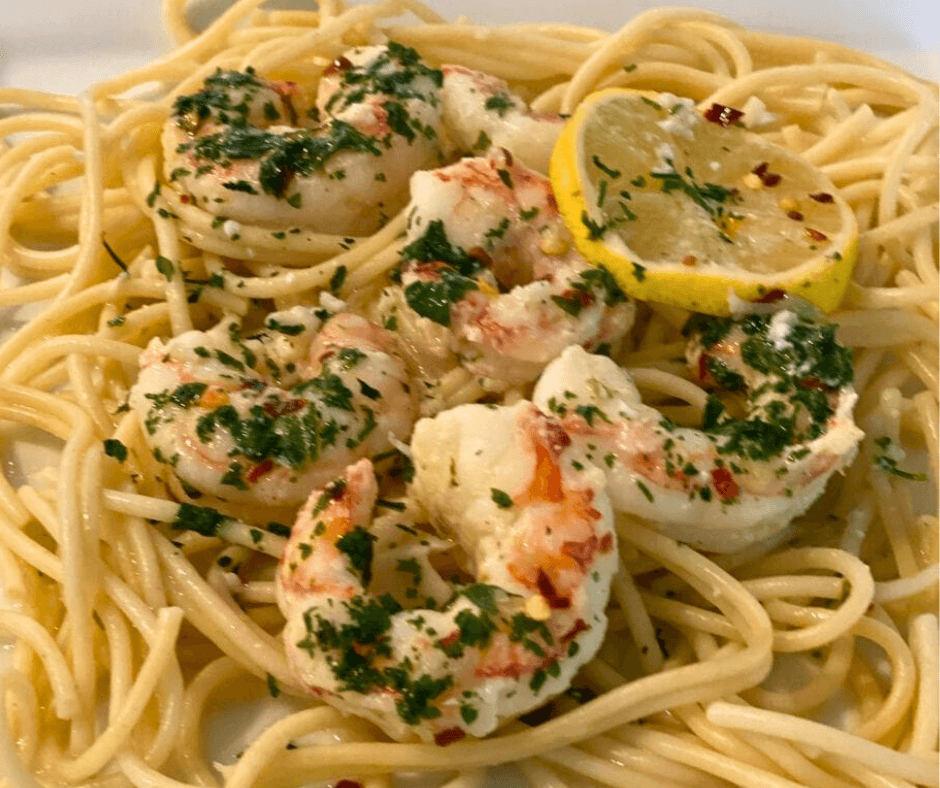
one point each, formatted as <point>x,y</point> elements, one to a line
<point>810,663</point>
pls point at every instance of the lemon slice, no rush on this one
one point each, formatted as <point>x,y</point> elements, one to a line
<point>682,207</point>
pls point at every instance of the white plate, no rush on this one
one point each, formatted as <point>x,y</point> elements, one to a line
<point>63,45</point>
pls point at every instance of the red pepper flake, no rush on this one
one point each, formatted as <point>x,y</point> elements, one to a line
<point>558,439</point>
<point>722,115</point>
<point>823,197</point>
<point>795,215</point>
<point>286,88</point>
<point>275,408</point>
<point>341,63</point>
<point>814,383</point>
<point>427,270</point>
<point>606,543</point>
<point>581,552</point>
<point>690,260</point>
<point>260,470</point>
<point>766,177</point>
<point>772,296</point>
<point>703,367</point>
<point>547,589</point>
<point>445,737</point>
<point>348,784</point>
<point>725,485</point>
<point>449,640</point>
<point>579,627</point>
<point>580,297</point>
<point>185,198</point>
<point>815,234</point>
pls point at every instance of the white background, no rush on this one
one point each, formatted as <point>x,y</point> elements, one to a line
<point>62,45</point>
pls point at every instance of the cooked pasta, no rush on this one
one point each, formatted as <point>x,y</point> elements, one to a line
<point>806,660</point>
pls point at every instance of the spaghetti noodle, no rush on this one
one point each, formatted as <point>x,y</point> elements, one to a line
<point>811,663</point>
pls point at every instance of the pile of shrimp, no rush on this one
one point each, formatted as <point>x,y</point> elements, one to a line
<point>448,569</point>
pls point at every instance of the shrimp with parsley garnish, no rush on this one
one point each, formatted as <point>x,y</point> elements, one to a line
<point>420,657</point>
<point>252,150</point>
<point>754,465</point>
<point>490,278</point>
<point>265,417</point>
<point>481,112</point>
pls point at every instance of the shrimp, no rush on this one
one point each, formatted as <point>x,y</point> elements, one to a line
<point>268,417</point>
<point>249,150</point>
<point>738,480</point>
<point>443,660</point>
<point>480,111</point>
<point>490,277</point>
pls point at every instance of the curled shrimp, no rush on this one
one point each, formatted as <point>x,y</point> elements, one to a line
<point>253,150</point>
<point>481,111</point>
<point>490,278</point>
<point>250,150</point>
<point>741,478</point>
<point>267,417</point>
<point>441,660</point>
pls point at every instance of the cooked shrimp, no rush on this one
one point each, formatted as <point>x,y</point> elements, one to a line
<point>739,479</point>
<point>490,273</point>
<point>268,417</point>
<point>249,150</point>
<point>480,111</point>
<point>534,525</point>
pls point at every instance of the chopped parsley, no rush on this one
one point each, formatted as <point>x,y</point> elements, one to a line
<point>499,103</point>
<point>355,647</point>
<point>114,448</point>
<point>610,172</point>
<point>595,230</point>
<point>357,545</point>
<point>885,462</point>
<point>710,197</point>
<point>454,271</point>
<point>233,477</point>
<point>529,213</point>
<point>239,186</point>
<point>165,267</point>
<point>483,142</point>
<point>501,498</point>
<point>279,529</point>
<point>593,283</point>
<point>468,714</point>
<point>337,279</point>
<point>290,329</point>
<point>482,595</point>
<point>804,371</point>
<point>273,689</point>
<point>201,519</point>
<point>412,567</point>
<point>398,73</point>
<point>590,412</point>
